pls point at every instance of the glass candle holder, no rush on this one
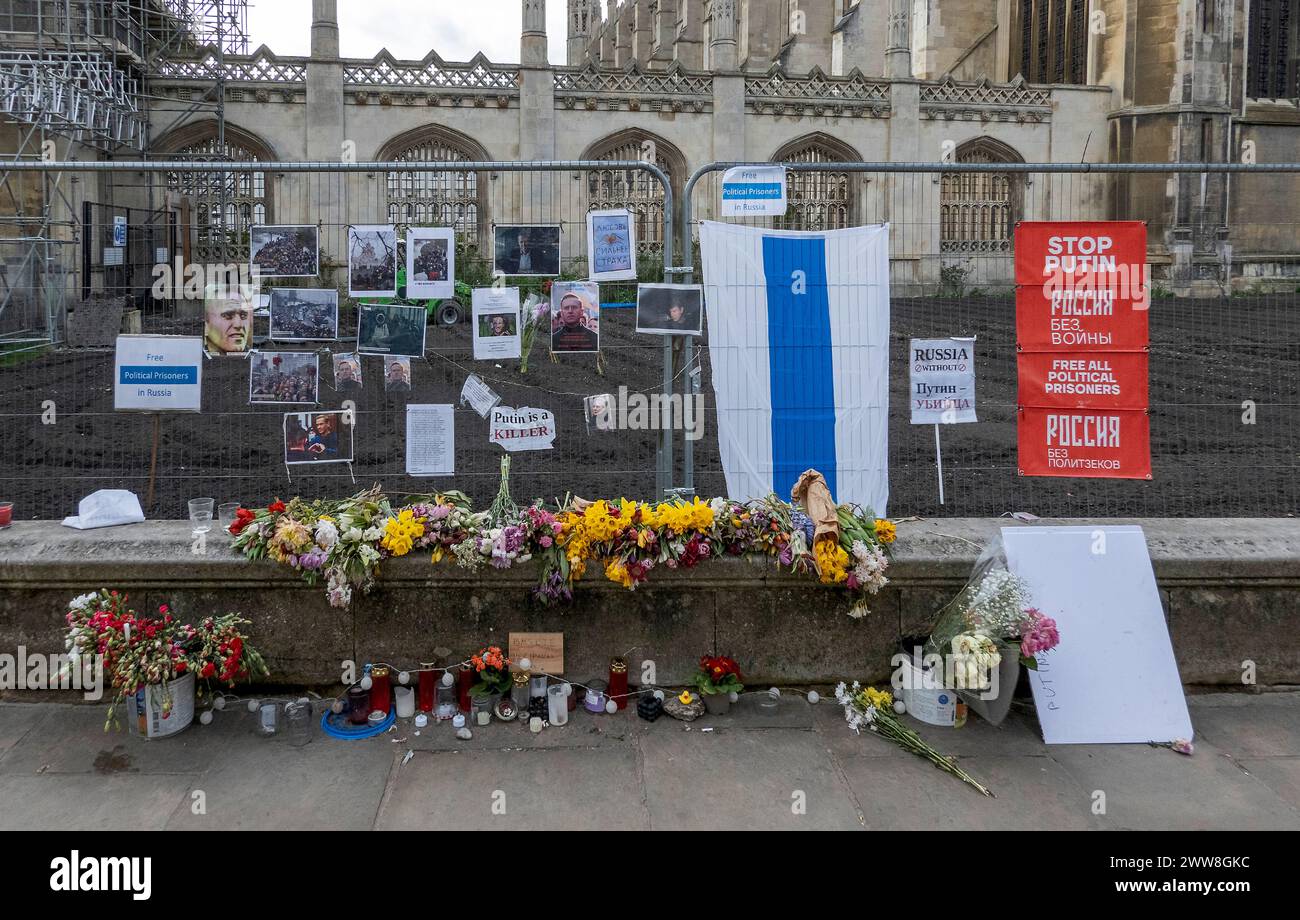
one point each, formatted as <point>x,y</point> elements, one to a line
<point>618,682</point>
<point>298,718</point>
<point>446,707</point>
<point>6,514</point>
<point>519,681</point>
<point>427,688</point>
<point>381,689</point>
<point>536,685</point>
<point>594,701</point>
<point>481,708</point>
<point>464,681</point>
<point>358,705</point>
<point>557,704</point>
<point>201,513</point>
<point>268,719</point>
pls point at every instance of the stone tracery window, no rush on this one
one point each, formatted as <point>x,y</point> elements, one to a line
<point>978,210</point>
<point>819,200</point>
<point>1273,50</point>
<point>224,204</point>
<point>444,198</point>
<point>635,189</point>
<point>1050,41</point>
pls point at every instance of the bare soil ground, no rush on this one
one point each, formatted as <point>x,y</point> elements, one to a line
<point>1208,357</point>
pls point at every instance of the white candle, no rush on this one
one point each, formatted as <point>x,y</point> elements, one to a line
<point>405,697</point>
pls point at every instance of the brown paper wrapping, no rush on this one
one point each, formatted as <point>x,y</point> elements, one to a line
<point>812,492</point>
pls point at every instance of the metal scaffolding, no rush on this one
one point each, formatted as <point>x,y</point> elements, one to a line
<point>76,74</point>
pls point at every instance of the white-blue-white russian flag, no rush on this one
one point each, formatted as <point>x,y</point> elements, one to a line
<point>799,343</point>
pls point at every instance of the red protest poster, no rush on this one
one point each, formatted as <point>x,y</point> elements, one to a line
<point>1091,443</point>
<point>1084,380</point>
<point>1070,253</point>
<point>1097,319</point>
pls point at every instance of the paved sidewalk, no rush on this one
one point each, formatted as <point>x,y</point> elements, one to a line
<point>752,771</point>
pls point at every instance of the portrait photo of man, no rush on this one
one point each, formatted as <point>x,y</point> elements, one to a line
<point>227,325</point>
<point>397,375</point>
<point>527,251</point>
<point>575,317</point>
<point>670,309</point>
<point>317,437</point>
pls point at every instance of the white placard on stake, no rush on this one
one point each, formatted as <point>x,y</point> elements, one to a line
<point>158,373</point>
<point>1113,679</point>
<point>942,381</point>
<point>430,440</point>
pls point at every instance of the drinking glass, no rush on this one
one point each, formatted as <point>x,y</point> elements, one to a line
<point>201,513</point>
<point>226,514</point>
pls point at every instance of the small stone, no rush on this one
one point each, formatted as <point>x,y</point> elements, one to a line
<point>686,712</point>
<point>464,734</point>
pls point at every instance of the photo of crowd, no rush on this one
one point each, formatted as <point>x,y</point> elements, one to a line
<point>283,377</point>
<point>304,315</point>
<point>391,329</point>
<point>430,262</point>
<point>525,251</point>
<point>372,261</point>
<point>317,437</point>
<point>284,252</point>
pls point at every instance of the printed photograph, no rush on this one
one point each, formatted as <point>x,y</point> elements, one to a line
<point>611,245</point>
<point>317,437</point>
<point>227,325</point>
<point>281,377</point>
<point>285,252</point>
<point>599,413</point>
<point>670,309</point>
<point>304,315</point>
<point>575,316</point>
<point>372,261</point>
<point>496,323</point>
<point>397,375</point>
<point>347,373</point>
<point>524,251</point>
<point>391,329</point>
<point>430,263</point>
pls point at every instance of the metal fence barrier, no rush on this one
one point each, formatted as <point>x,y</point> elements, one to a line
<point>1225,375</point>
<point>63,438</point>
<point>1224,325</point>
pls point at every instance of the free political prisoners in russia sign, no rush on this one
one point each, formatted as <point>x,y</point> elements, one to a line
<point>754,191</point>
<point>1082,343</point>
<point>158,373</point>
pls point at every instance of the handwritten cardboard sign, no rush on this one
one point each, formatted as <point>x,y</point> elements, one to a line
<point>544,650</point>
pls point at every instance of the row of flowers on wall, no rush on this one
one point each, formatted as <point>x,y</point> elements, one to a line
<point>344,543</point>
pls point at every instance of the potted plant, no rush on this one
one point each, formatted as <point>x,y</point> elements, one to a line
<point>717,678</point>
<point>493,669</point>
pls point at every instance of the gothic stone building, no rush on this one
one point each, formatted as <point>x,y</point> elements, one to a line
<point>695,81</point>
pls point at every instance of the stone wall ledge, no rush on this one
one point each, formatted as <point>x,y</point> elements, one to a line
<point>1203,551</point>
<point>1230,589</point>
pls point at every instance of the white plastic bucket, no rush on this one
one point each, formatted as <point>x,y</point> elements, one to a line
<point>145,708</point>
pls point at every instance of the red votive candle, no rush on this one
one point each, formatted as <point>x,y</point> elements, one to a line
<point>6,513</point>
<point>618,682</point>
<point>464,681</point>
<point>427,689</point>
<point>381,689</point>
